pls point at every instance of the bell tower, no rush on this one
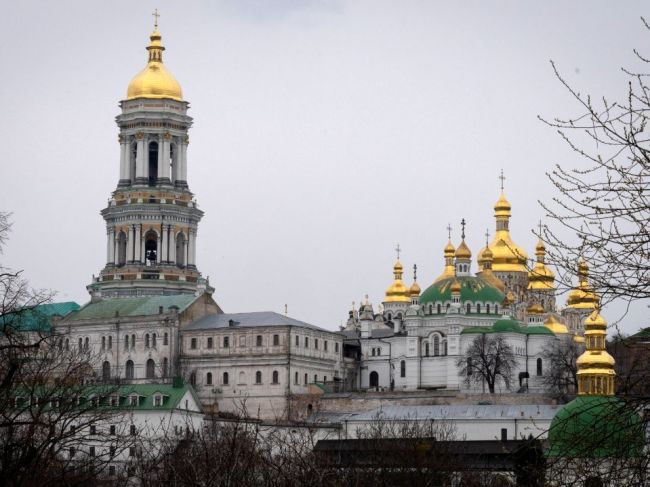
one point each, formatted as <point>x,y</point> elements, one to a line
<point>152,217</point>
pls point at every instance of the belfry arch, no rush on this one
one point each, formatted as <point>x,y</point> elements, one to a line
<point>153,163</point>
<point>181,249</point>
<point>151,247</point>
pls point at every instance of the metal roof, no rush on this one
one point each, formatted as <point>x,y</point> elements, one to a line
<point>140,306</point>
<point>253,319</point>
<point>442,412</point>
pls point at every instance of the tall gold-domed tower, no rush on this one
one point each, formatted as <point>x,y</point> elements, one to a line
<point>582,301</point>
<point>509,259</point>
<point>152,217</point>
<point>541,282</point>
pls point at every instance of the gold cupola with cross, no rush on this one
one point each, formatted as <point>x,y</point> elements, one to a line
<point>398,292</point>
<point>449,254</point>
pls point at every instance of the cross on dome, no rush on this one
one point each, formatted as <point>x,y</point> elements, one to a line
<point>462,224</point>
<point>398,250</point>
<point>449,230</point>
<point>155,16</point>
<point>502,178</point>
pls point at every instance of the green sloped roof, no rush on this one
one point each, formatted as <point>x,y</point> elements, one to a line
<point>38,318</point>
<point>508,325</point>
<point>596,426</point>
<point>141,306</point>
<point>472,288</point>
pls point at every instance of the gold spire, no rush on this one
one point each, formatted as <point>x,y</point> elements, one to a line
<point>541,277</point>
<point>554,324</point>
<point>397,292</point>
<point>583,297</point>
<point>486,270</point>
<point>595,366</point>
<point>449,252</point>
<point>154,81</point>
<point>508,256</point>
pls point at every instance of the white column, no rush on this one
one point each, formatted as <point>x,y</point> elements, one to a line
<point>162,142</point>
<point>165,241</point>
<point>183,168</point>
<point>159,248</point>
<point>192,251</point>
<point>174,157</point>
<point>143,256</point>
<point>124,158</point>
<point>129,244</point>
<point>138,244</point>
<point>172,244</point>
<point>163,168</point>
<point>111,246</point>
<point>140,158</point>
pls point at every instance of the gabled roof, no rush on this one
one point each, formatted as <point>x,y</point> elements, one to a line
<point>243,320</point>
<point>508,325</point>
<point>38,318</point>
<point>140,306</point>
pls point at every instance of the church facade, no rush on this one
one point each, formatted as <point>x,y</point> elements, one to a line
<point>419,339</point>
<point>152,315</point>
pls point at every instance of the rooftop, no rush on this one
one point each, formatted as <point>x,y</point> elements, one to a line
<point>248,320</point>
<point>140,306</point>
<point>37,318</point>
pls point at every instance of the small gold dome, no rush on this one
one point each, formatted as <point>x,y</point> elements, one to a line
<point>450,270</point>
<point>397,292</point>
<point>507,255</point>
<point>541,277</point>
<point>415,289</point>
<point>502,206</point>
<point>535,309</point>
<point>449,249</point>
<point>583,297</point>
<point>463,251</point>
<point>154,81</point>
<point>555,325</point>
<point>455,286</point>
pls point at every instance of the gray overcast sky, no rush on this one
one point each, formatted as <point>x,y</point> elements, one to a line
<point>325,132</point>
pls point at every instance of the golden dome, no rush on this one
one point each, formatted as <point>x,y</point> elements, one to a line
<point>595,365</point>
<point>541,277</point>
<point>535,309</point>
<point>507,255</point>
<point>450,269</point>
<point>415,289</point>
<point>397,292</point>
<point>583,297</point>
<point>455,287</point>
<point>463,251</point>
<point>154,81</point>
<point>555,325</point>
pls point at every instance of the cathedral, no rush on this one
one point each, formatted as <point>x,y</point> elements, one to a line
<point>417,338</point>
<point>151,314</point>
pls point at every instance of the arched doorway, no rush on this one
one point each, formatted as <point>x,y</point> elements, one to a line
<point>151,247</point>
<point>106,370</point>
<point>374,379</point>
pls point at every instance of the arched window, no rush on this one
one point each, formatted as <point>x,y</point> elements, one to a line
<point>315,377</point>
<point>469,366</point>
<point>146,341</point>
<point>374,379</point>
<point>193,379</point>
<point>306,379</point>
<point>487,308</point>
<point>295,378</point>
<point>81,344</point>
<point>402,368</point>
<point>444,347</point>
<point>134,155</point>
<point>496,309</point>
<point>129,374</point>
<point>153,163</point>
<point>275,377</point>
<point>103,343</point>
<point>439,308</point>
<point>208,378</point>
<point>151,369</point>
<point>436,345</point>
<point>258,341</point>
<point>132,341</point>
<point>153,340</point>
<point>539,366</point>
<point>426,349</point>
<point>478,308</point>
<point>151,248</point>
<point>106,370</point>
<point>180,249</point>
<point>258,377</point>
<point>469,308</point>
<point>121,249</point>
<point>166,339</point>
<point>225,379</point>
<point>430,309</point>
<point>67,344</point>
<point>110,342</point>
<point>165,367</point>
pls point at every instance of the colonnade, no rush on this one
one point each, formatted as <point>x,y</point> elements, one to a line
<point>173,246</point>
<point>172,159</point>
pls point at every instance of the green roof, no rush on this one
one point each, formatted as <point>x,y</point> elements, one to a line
<point>141,306</point>
<point>172,395</point>
<point>472,289</point>
<point>596,426</point>
<point>38,318</point>
<point>508,325</point>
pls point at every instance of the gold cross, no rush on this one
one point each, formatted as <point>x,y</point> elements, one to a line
<point>502,178</point>
<point>449,230</point>
<point>487,236</point>
<point>415,272</point>
<point>462,224</point>
<point>398,250</point>
<point>155,16</point>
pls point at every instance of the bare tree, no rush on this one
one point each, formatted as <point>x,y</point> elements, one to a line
<point>602,209</point>
<point>488,359</point>
<point>561,378</point>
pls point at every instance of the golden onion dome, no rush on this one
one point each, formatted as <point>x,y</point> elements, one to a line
<point>397,292</point>
<point>507,255</point>
<point>535,309</point>
<point>583,296</point>
<point>555,325</point>
<point>463,251</point>
<point>541,277</point>
<point>450,269</point>
<point>595,366</point>
<point>450,250</point>
<point>154,81</point>
<point>480,257</point>
<point>415,289</point>
<point>455,287</point>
